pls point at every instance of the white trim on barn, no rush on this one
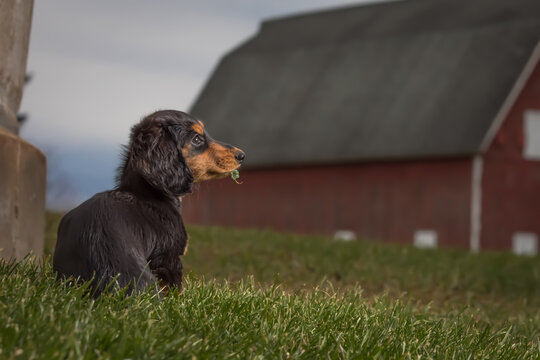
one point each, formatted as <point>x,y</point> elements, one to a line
<point>476,202</point>
<point>511,98</point>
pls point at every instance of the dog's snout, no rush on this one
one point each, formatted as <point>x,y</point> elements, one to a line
<point>239,156</point>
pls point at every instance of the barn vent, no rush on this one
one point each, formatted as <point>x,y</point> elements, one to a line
<point>425,239</point>
<point>525,243</point>
<point>531,130</point>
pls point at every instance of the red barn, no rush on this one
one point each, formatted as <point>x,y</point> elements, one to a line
<point>411,121</point>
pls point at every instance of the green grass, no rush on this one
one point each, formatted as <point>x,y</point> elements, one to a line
<point>44,318</point>
<point>297,261</point>
<point>252,294</point>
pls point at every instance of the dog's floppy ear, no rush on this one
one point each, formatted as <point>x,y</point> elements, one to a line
<point>156,156</point>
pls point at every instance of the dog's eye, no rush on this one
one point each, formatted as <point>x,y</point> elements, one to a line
<point>197,140</point>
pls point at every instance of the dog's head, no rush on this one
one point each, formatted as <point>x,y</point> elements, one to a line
<point>171,150</point>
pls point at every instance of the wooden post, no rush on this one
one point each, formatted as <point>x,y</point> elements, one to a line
<point>22,166</point>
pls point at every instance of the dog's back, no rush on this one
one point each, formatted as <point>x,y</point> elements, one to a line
<point>95,241</point>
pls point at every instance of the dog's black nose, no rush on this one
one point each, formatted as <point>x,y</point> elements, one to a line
<point>240,156</point>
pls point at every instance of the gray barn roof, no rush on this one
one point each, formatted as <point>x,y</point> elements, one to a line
<point>399,80</point>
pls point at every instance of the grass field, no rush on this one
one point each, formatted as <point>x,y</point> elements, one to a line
<point>260,294</point>
<point>507,285</point>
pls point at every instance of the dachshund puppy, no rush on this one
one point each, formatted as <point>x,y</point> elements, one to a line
<point>134,235</point>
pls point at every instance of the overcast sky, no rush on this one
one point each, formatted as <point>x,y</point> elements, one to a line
<point>99,66</point>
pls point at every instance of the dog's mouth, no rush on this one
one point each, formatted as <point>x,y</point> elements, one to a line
<point>212,173</point>
<point>219,175</point>
<point>217,162</point>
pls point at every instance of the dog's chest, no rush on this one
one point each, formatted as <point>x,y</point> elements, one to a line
<point>165,227</point>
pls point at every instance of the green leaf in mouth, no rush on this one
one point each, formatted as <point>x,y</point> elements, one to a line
<point>235,175</point>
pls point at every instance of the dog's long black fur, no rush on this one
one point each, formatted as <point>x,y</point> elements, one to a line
<point>134,234</point>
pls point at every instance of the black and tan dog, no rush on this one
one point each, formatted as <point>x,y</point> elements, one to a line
<point>134,233</point>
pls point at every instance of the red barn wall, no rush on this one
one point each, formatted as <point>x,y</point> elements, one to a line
<point>381,201</point>
<point>510,183</point>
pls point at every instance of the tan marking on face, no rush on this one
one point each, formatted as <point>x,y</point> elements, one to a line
<point>201,123</point>
<point>198,129</point>
<point>217,161</point>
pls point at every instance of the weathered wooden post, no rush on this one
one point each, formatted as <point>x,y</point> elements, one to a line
<point>22,166</point>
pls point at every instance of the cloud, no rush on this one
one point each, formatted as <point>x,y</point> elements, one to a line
<point>99,68</point>
<point>91,101</point>
<point>142,34</point>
